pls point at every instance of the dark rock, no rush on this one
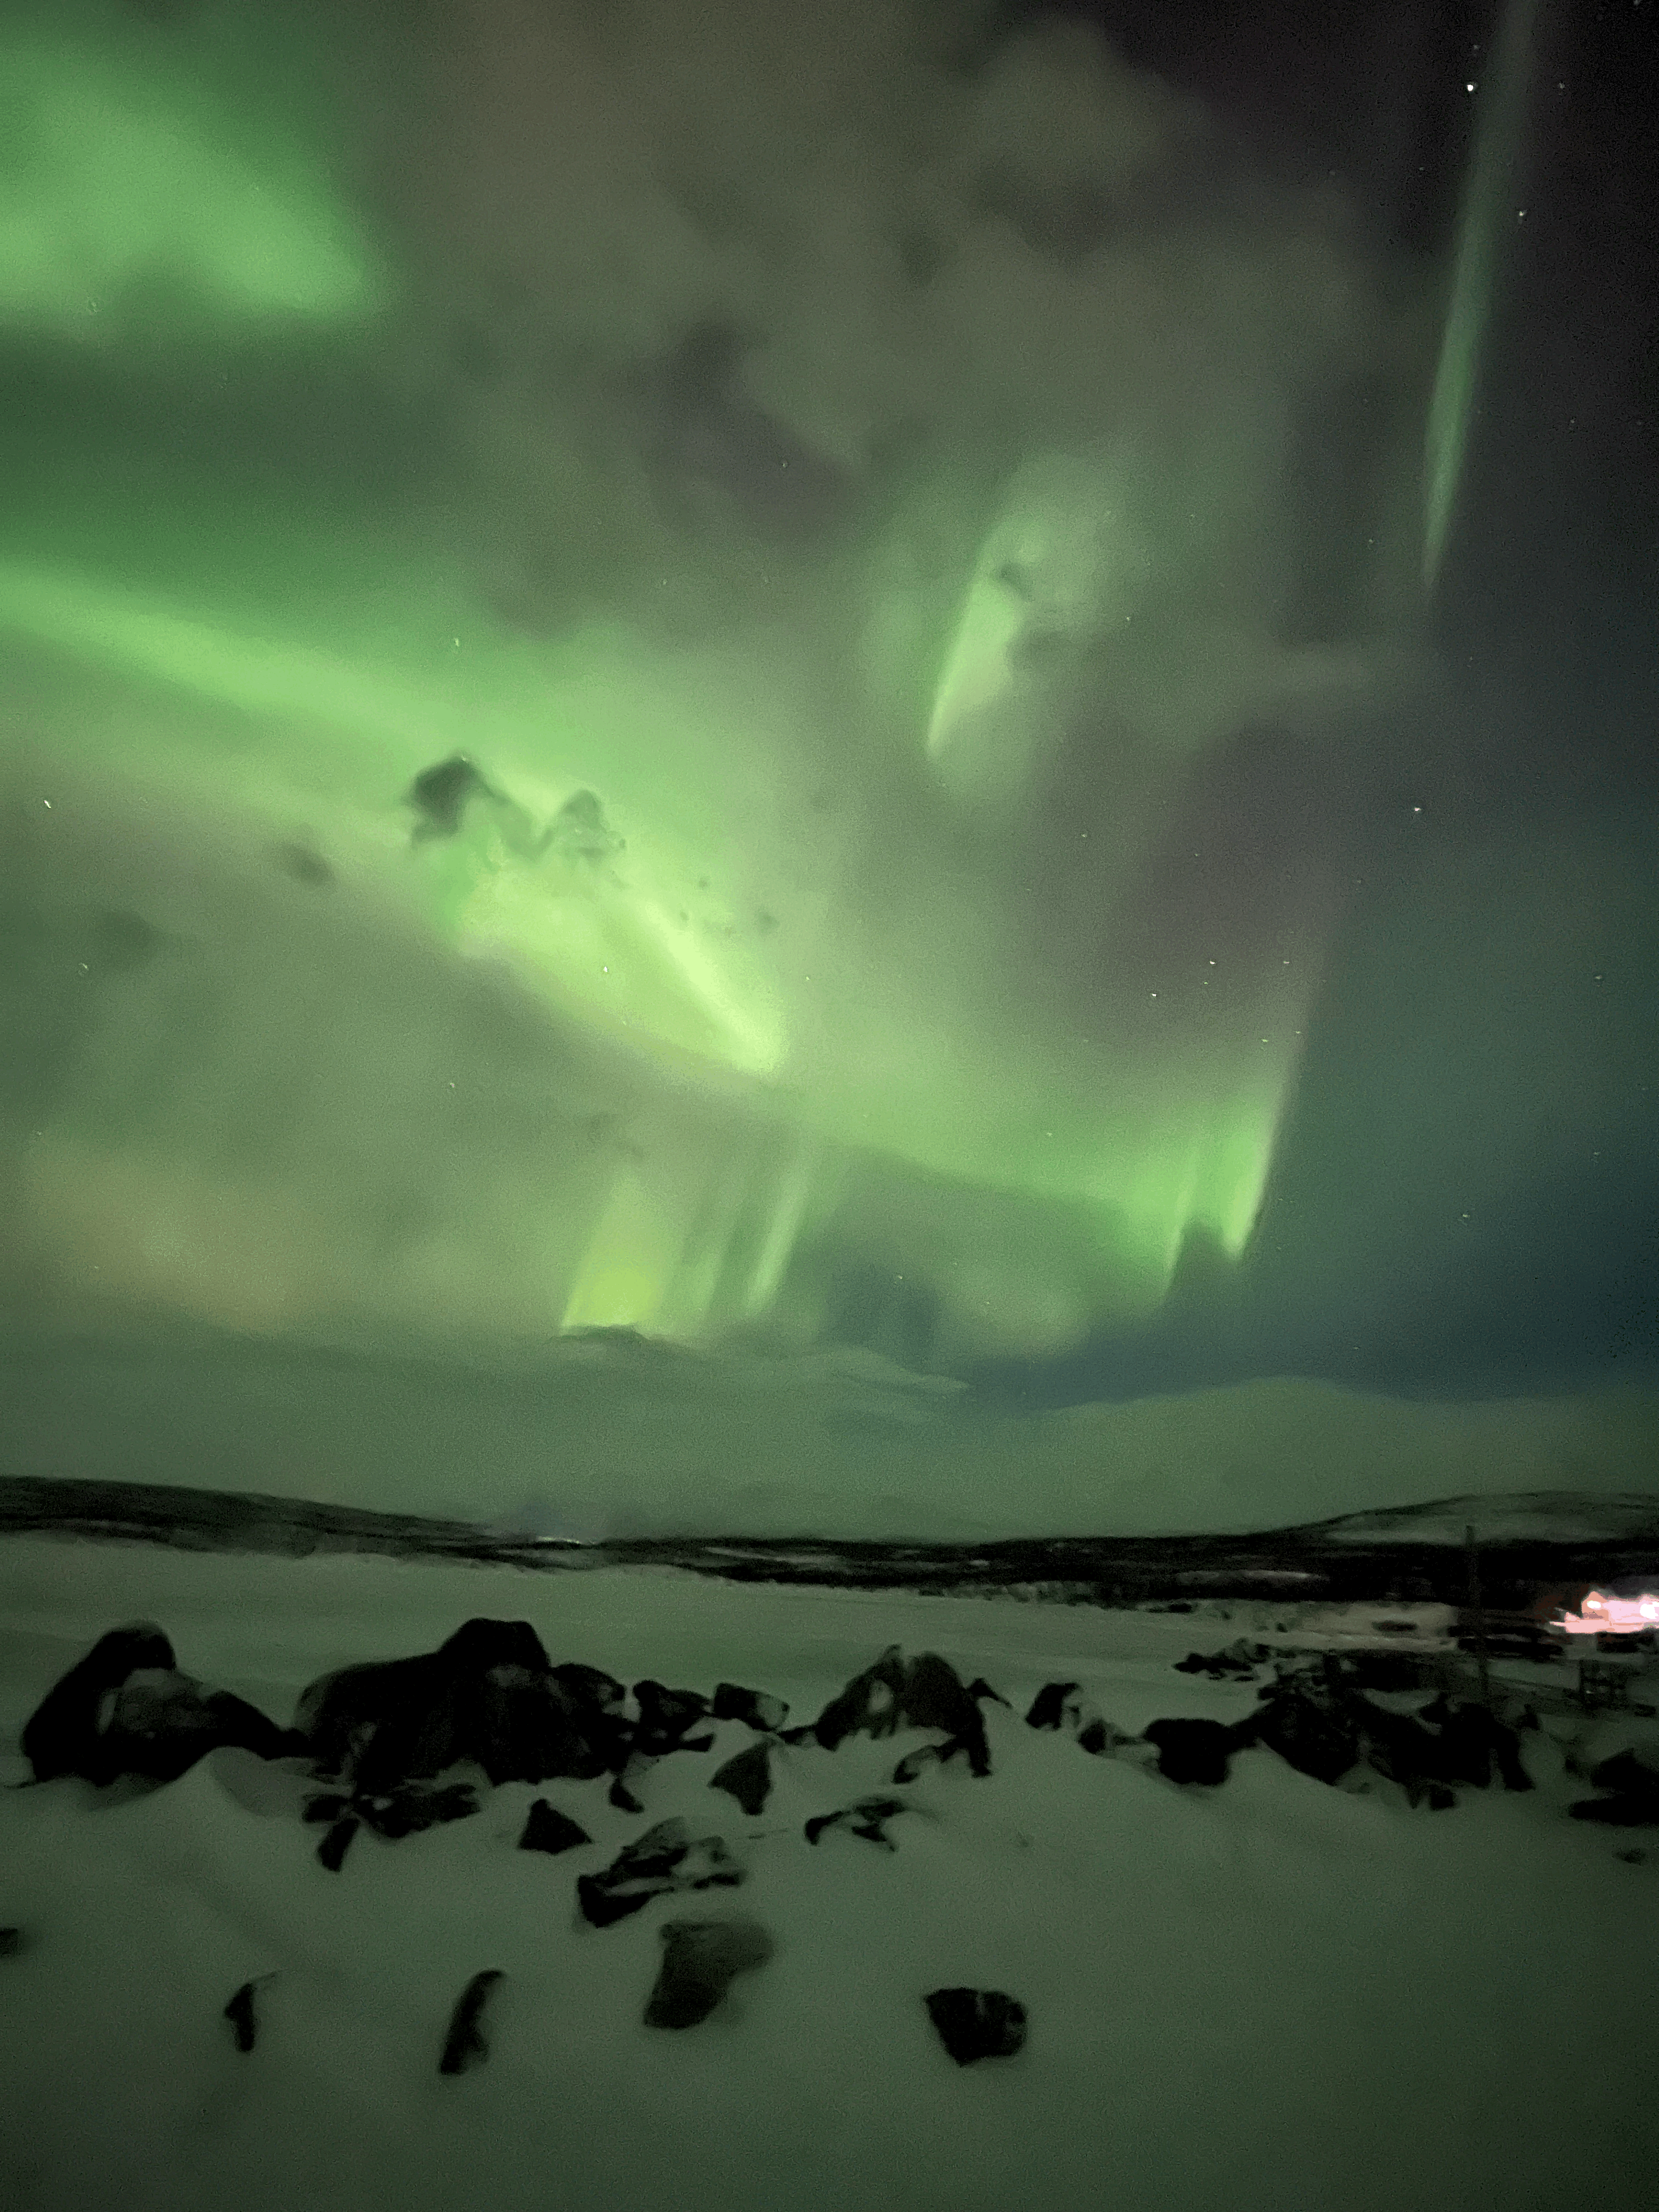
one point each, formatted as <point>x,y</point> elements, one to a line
<point>412,1811</point>
<point>701,1961</point>
<point>1401,1749</point>
<point>975,2023</point>
<point>1317,1718</point>
<point>748,1777</point>
<point>1237,1663</point>
<point>243,2018</point>
<point>161,1722</point>
<point>623,1797</point>
<point>1060,1705</point>
<point>328,1806</point>
<point>1048,1706</point>
<point>807,1733</point>
<point>1473,1741</point>
<point>979,1690</point>
<point>1631,1859</point>
<point>61,1736</point>
<point>486,1697</point>
<point>867,1819</point>
<point>1439,1798</point>
<point>665,1717</point>
<point>332,1851</point>
<point>549,1830</point>
<point>662,1860</point>
<point>1446,1743</point>
<point>1191,1750</point>
<point>1618,1811</point>
<point>125,1710</point>
<point>1632,1801</point>
<point>1625,1772</point>
<point>925,1692</point>
<point>1311,1732</point>
<point>11,1943</point>
<point>758,1709</point>
<point>465,2044</point>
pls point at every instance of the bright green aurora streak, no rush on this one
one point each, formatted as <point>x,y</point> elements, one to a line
<point>900,1090</point>
<point>1488,220</point>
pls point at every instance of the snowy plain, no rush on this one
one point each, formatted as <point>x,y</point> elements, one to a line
<point>1273,1994</point>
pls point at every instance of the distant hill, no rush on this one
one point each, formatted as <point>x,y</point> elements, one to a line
<point>608,1436</point>
<point>1549,1517</point>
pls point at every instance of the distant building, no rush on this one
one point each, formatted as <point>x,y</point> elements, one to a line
<point>1606,1613</point>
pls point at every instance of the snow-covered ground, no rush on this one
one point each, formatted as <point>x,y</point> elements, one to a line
<point>1275,1994</point>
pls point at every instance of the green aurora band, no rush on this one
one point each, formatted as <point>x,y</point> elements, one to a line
<point>885,1077</point>
<point>1488,220</point>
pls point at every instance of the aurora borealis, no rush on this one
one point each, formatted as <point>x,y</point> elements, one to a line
<point>857,520</point>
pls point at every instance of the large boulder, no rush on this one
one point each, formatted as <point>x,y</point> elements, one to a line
<point>488,1695</point>
<point>925,1692</point>
<point>700,1959</point>
<point>1191,1750</point>
<point>125,1710</point>
<point>1308,1722</point>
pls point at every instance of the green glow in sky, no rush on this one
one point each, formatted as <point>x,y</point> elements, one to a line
<point>128,196</point>
<point>895,1056</point>
<point>841,988</point>
<point>1489,219</point>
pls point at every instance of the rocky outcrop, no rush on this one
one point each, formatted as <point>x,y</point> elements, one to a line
<point>126,1711</point>
<point>488,1695</point>
<point>924,1693</point>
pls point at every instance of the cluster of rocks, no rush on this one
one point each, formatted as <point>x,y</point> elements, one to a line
<point>384,1742</point>
<point>1320,1715</point>
<point>387,1738</point>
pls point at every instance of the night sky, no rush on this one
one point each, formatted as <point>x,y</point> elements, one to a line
<point>984,847</point>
